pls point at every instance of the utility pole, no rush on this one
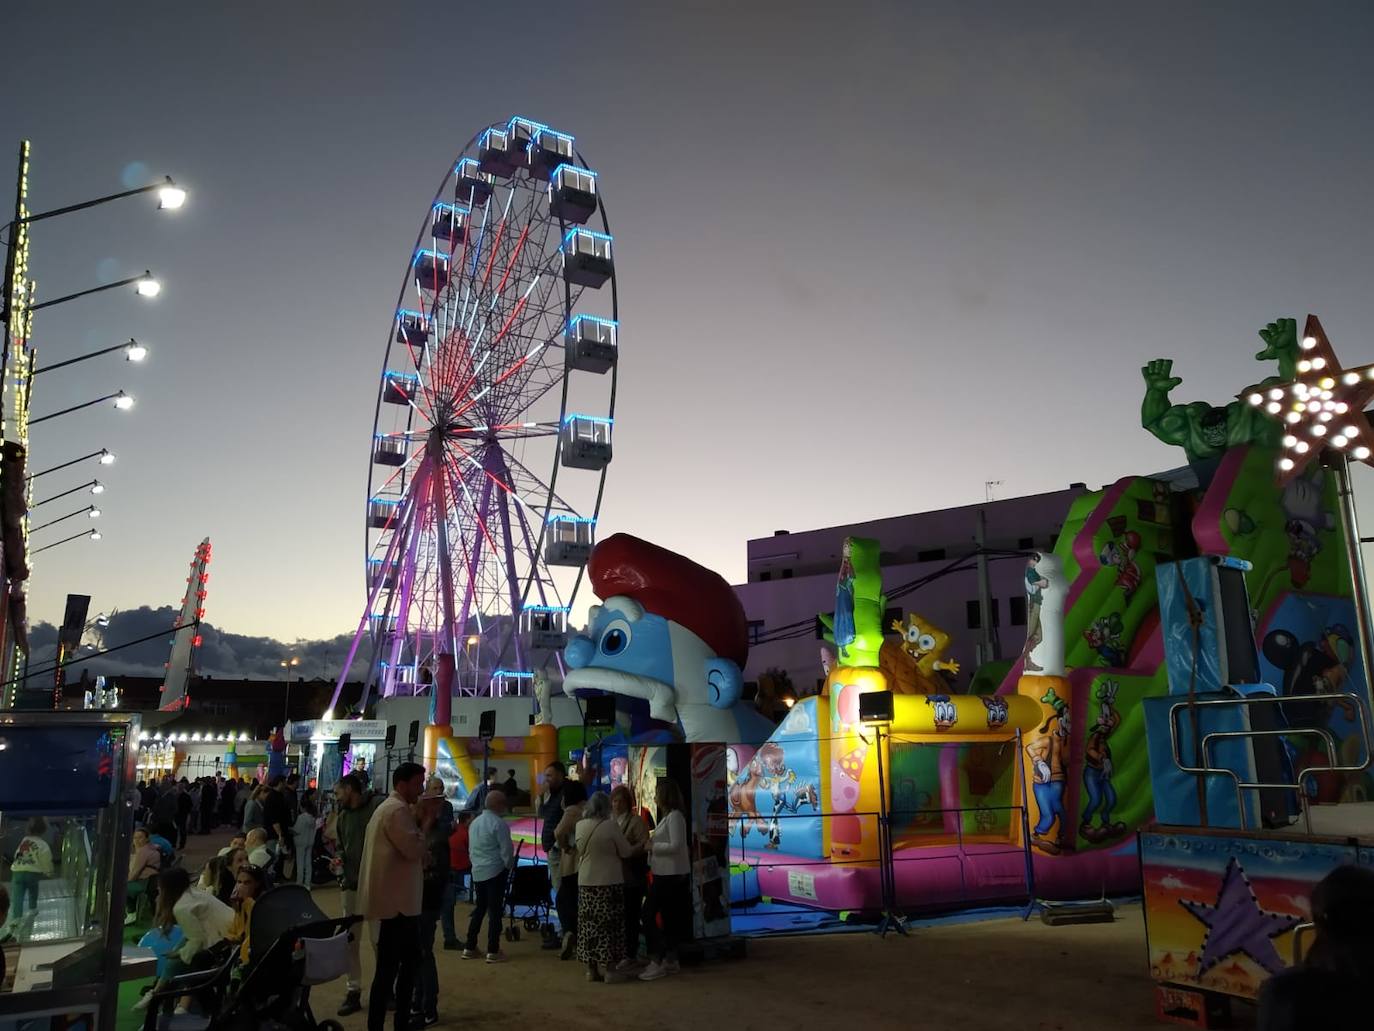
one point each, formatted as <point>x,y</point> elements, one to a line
<point>989,649</point>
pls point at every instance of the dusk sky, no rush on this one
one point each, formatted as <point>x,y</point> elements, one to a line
<point>869,255</point>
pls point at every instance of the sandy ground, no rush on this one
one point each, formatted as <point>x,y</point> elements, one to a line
<point>971,977</point>
<point>993,974</point>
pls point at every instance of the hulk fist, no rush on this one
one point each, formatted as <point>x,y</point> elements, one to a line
<point>1159,375</point>
<point>1280,341</point>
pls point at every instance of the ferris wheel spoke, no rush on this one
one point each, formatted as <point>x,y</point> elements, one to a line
<point>548,335</point>
<point>555,502</point>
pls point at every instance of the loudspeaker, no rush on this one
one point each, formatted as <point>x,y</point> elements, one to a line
<point>414,733</point>
<point>391,735</point>
<point>599,711</point>
<point>486,725</point>
<point>344,741</point>
<point>875,707</point>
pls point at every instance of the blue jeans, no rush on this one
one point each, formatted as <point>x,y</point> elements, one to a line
<point>1101,795</point>
<point>456,880</point>
<point>25,885</point>
<point>491,898</point>
<point>1050,798</point>
<point>426,997</point>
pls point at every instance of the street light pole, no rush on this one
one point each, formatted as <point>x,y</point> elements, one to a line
<point>94,535</point>
<point>172,197</point>
<point>105,455</point>
<point>121,400</point>
<point>147,287</point>
<point>134,352</point>
<point>96,487</point>
<point>89,510</point>
<point>287,666</point>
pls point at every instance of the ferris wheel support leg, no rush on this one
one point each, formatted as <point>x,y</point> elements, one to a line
<point>512,581</point>
<point>443,688</point>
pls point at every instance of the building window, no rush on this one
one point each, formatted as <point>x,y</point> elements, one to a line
<point>1018,610</point>
<point>765,576</point>
<point>933,555</point>
<point>755,631</point>
<point>975,616</point>
<point>787,574</point>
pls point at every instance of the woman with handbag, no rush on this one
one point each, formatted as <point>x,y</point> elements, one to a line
<point>601,851</point>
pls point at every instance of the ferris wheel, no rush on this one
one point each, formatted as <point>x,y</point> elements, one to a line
<point>493,423</point>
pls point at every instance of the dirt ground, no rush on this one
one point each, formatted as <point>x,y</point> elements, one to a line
<point>975,976</point>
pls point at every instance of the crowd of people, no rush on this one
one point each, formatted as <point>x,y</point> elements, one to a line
<point>403,860</point>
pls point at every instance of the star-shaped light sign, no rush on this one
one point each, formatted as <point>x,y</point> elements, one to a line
<point>1323,407</point>
<point>1236,923</point>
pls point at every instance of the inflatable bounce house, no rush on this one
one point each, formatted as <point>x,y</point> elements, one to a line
<point>1035,786</point>
<point>1038,788</point>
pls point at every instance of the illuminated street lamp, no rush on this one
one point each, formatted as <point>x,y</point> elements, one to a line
<point>104,456</point>
<point>95,486</point>
<point>94,535</point>
<point>121,400</point>
<point>145,286</point>
<point>288,665</point>
<point>133,352</point>
<point>90,510</point>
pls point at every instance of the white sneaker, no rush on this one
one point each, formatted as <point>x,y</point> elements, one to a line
<point>144,1001</point>
<point>672,966</point>
<point>625,966</point>
<point>653,972</point>
<point>496,957</point>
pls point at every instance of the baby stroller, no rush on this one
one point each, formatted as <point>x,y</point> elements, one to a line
<point>528,888</point>
<point>293,945</point>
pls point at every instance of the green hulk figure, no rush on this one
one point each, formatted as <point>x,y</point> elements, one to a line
<point>1206,431</point>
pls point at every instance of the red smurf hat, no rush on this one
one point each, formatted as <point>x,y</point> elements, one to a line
<point>674,587</point>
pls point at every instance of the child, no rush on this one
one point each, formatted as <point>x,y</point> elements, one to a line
<point>32,864</point>
<point>303,838</point>
<point>249,885</point>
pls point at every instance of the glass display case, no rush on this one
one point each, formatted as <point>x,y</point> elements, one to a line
<point>66,818</point>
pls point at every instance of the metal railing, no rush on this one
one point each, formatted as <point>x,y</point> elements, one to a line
<point>1334,765</point>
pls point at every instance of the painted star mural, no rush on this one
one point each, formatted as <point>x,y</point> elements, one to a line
<point>1236,923</point>
<point>1322,408</point>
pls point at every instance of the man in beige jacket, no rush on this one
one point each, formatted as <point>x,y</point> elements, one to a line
<point>389,889</point>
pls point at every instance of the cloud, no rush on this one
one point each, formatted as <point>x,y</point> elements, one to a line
<point>141,640</point>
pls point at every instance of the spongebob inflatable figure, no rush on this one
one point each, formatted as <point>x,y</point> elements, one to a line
<point>914,663</point>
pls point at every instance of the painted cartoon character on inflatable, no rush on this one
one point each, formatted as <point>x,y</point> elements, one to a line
<point>1306,518</point>
<point>1104,637</point>
<point>997,710</point>
<point>669,640</point>
<point>1048,754</point>
<point>1035,584</point>
<point>946,713</point>
<point>768,771</point>
<point>1120,552</point>
<point>1097,770</point>
<point>925,643</point>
